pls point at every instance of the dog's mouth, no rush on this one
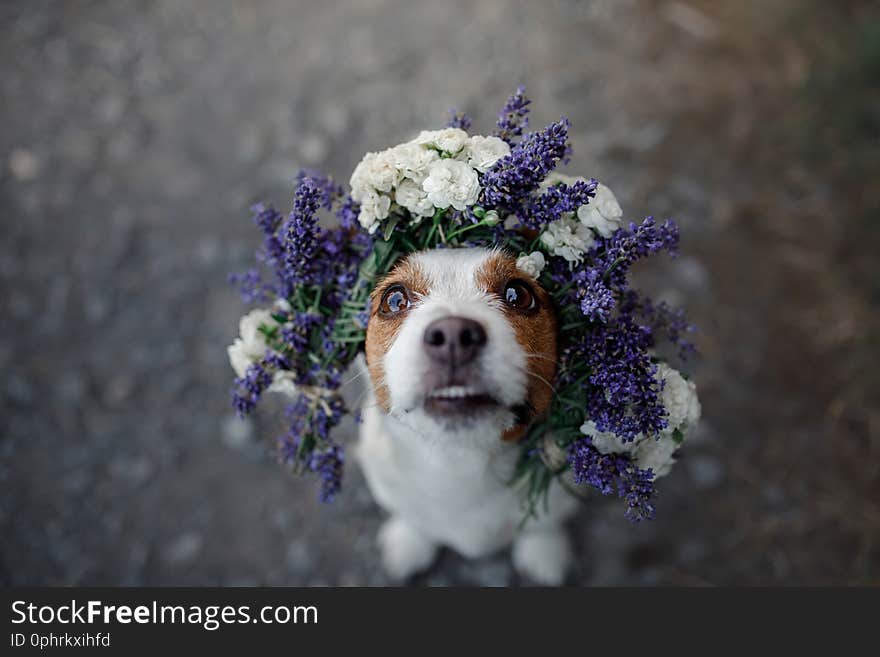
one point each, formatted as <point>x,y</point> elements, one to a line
<point>458,400</point>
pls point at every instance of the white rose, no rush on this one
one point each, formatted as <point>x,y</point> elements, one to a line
<point>376,172</point>
<point>413,160</point>
<point>412,197</point>
<point>679,398</point>
<point>451,182</point>
<point>567,238</point>
<point>451,140</point>
<point>607,442</point>
<point>251,345</point>
<point>531,264</point>
<point>657,454</point>
<point>374,208</point>
<point>282,383</point>
<point>484,152</point>
<point>602,213</point>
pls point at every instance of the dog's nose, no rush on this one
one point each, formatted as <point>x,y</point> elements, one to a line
<point>454,340</point>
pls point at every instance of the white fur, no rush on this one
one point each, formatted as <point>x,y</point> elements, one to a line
<point>450,485</point>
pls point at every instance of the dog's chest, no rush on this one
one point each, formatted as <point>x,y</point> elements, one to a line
<point>458,496</point>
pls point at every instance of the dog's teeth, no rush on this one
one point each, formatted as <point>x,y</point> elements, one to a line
<point>454,392</point>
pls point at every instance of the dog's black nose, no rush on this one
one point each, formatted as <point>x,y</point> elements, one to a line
<point>454,340</point>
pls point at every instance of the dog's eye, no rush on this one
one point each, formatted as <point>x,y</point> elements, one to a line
<point>395,300</point>
<point>519,295</point>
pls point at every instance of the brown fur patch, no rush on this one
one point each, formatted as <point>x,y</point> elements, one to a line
<point>382,331</point>
<point>536,332</point>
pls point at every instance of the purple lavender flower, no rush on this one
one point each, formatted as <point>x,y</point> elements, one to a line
<point>670,323</point>
<point>673,323</point>
<point>514,116</point>
<point>556,201</point>
<point>458,120</point>
<point>247,390</point>
<point>330,191</point>
<point>626,246</point>
<point>266,218</point>
<point>328,464</point>
<point>614,473</point>
<point>348,213</point>
<point>300,232</point>
<point>624,395</point>
<point>514,177</point>
<point>311,423</point>
<point>250,286</point>
<point>597,301</point>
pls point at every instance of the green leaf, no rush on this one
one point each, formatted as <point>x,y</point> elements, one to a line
<point>678,436</point>
<point>390,226</point>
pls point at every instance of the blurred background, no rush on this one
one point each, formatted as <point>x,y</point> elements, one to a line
<point>135,135</point>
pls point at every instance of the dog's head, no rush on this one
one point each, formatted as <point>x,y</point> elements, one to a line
<point>461,342</point>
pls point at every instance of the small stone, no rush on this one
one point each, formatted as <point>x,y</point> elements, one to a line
<point>313,149</point>
<point>237,432</point>
<point>134,472</point>
<point>19,390</point>
<point>334,119</point>
<point>692,551</point>
<point>118,389</point>
<point>350,579</point>
<point>250,144</point>
<point>24,165</point>
<point>183,549</point>
<point>706,471</point>
<point>299,557</point>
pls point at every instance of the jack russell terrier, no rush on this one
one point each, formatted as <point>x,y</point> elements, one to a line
<point>461,350</point>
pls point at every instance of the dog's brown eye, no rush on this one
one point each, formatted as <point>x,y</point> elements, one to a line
<point>395,300</point>
<point>519,295</point>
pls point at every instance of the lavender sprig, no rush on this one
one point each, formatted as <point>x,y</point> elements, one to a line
<point>556,201</point>
<point>614,474</point>
<point>459,120</point>
<point>508,185</point>
<point>514,116</point>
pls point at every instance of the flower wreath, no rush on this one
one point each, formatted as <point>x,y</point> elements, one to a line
<point>619,412</point>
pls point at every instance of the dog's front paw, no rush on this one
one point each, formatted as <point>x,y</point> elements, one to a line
<point>405,551</point>
<point>543,556</point>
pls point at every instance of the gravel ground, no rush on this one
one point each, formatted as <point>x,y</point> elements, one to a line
<point>137,134</point>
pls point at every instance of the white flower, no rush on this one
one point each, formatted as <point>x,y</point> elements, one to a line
<point>652,452</point>
<point>282,383</point>
<point>374,208</point>
<point>412,197</point>
<point>531,264</point>
<point>451,140</point>
<point>484,152</point>
<point>680,399</point>
<point>451,182</point>
<point>602,213</point>
<point>656,454</point>
<point>567,238</point>
<point>608,442</point>
<point>413,160</point>
<point>554,178</point>
<point>376,172</point>
<point>251,346</point>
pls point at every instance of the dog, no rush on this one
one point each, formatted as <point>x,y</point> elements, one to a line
<point>461,350</point>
